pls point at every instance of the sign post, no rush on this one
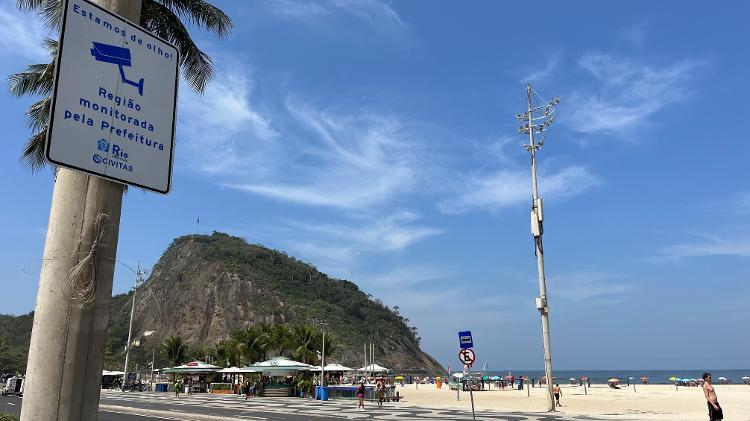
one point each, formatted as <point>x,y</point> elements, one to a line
<point>467,356</point>
<point>114,101</point>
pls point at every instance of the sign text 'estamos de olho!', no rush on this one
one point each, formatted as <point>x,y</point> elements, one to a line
<point>114,102</point>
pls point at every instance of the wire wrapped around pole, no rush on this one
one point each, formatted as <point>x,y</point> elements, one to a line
<point>81,282</point>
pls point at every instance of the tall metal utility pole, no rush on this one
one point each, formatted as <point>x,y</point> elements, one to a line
<point>535,120</point>
<point>138,280</point>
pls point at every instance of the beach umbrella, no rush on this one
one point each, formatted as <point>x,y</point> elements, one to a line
<point>495,378</point>
<point>722,378</point>
<point>458,375</point>
<point>398,378</point>
<point>673,379</point>
<point>572,379</point>
<point>485,377</point>
<point>644,378</point>
<point>613,380</point>
<point>508,377</point>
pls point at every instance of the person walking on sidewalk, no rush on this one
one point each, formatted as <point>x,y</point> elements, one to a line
<point>361,395</point>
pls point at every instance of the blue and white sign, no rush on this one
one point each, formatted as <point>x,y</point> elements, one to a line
<point>464,340</point>
<point>115,96</point>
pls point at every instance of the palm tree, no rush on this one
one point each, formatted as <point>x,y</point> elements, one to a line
<point>279,339</point>
<point>304,339</point>
<point>174,350</point>
<point>252,343</point>
<point>225,353</point>
<point>161,17</point>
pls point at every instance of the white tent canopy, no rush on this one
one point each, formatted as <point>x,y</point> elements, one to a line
<point>112,373</point>
<point>373,368</point>
<point>193,367</point>
<point>279,366</point>
<point>332,367</point>
<point>237,370</point>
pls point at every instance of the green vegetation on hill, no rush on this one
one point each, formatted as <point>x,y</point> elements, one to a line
<point>209,291</point>
<point>15,334</point>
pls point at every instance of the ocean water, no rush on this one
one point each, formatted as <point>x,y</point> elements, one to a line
<point>601,376</point>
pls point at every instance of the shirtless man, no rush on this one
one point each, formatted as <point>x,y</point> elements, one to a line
<point>557,392</point>
<point>714,410</point>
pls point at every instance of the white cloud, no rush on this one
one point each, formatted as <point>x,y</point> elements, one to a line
<point>539,75</point>
<point>349,161</point>
<point>336,247</point>
<point>391,233</point>
<point>710,246</point>
<point>378,14</point>
<point>630,93</point>
<point>510,187</point>
<point>590,288</point>
<point>220,127</point>
<point>20,34</point>
<point>407,276</point>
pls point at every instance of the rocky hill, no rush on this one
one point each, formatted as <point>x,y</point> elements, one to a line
<point>206,287</point>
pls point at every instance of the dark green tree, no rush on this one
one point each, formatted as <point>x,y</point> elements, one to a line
<point>175,350</point>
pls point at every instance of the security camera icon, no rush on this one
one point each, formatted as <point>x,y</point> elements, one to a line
<point>116,55</point>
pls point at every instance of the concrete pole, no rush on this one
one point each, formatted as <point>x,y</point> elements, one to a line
<point>66,354</point>
<point>542,305</point>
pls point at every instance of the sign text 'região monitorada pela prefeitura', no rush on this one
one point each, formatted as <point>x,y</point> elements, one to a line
<point>113,109</point>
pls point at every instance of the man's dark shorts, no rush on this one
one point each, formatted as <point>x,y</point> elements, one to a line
<point>715,414</point>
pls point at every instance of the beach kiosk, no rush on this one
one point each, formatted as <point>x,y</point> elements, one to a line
<point>278,375</point>
<point>231,379</point>
<point>199,372</point>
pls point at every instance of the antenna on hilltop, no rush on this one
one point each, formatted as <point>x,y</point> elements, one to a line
<point>538,117</point>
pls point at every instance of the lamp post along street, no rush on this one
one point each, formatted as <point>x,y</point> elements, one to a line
<point>138,280</point>
<point>323,361</point>
<point>535,120</point>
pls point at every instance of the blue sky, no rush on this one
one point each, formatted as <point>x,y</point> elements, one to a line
<point>377,140</point>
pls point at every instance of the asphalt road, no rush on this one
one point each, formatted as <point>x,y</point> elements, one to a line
<point>12,405</point>
<point>135,406</point>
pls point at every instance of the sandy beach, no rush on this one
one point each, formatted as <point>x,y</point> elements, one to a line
<point>648,402</point>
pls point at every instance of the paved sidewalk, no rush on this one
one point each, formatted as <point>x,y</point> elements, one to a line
<point>219,407</point>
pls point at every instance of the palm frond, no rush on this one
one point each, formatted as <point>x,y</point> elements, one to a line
<point>37,116</point>
<point>202,14</point>
<point>197,68</point>
<point>50,10</point>
<point>33,151</point>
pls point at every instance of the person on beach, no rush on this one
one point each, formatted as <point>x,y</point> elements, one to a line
<point>177,388</point>
<point>248,389</point>
<point>714,410</point>
<point>557,392</point>
<point>361,395</point>
<point>189,386</point>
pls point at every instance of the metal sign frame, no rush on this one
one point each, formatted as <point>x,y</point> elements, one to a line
<point>55,89</point>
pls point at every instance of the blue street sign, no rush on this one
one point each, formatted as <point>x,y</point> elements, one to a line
<point>464,340</point>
